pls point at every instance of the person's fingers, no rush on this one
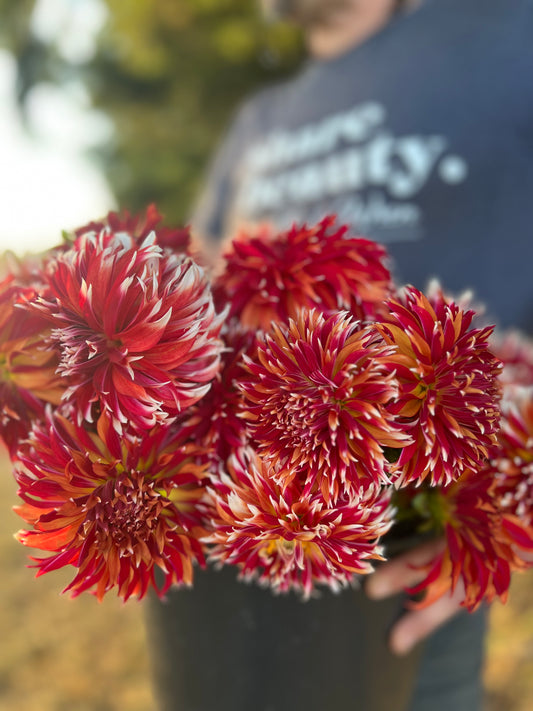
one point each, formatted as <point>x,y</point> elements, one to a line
<point>402,572</point>
<point>415,626</point>
<point>406,571</point>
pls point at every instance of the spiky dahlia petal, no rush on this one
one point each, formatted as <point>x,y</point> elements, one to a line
<point>287,540</point>
<point>315,404</point>
<point>136,329</point>
<point>448,387</point>
<point>114,507</point>
<point>483,543</point>
<point>269,276</point>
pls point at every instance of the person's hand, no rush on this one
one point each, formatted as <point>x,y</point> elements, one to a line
<point>404,572</point>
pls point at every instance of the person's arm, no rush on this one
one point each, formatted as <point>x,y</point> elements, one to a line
<point>403,572</point>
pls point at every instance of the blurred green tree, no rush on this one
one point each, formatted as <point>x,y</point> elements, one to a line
<point>168,74</point>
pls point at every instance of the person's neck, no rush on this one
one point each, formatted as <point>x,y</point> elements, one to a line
<point>351,26</point>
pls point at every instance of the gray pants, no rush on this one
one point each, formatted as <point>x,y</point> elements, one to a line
<point>451,665</point>
<point>227,646</point>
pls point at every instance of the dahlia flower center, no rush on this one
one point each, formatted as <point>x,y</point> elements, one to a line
<point>109,345</point>
<point>114,344</point>
<point>85,345</point>
<point>421,390</point>
<point>284,548</point>
<point>299,411</point>
<point>127,510</point>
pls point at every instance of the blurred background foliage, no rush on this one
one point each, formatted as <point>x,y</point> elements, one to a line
<point>168,74</point>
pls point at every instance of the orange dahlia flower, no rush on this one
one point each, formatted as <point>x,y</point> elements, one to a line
<point>116,508</point>
<point>448,387</point>
<point>315,404</point>
<point>287,540</point>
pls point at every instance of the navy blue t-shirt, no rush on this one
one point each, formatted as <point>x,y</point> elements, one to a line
<point>420,138</point>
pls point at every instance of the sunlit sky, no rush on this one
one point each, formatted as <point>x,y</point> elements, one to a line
<point>47,183</point>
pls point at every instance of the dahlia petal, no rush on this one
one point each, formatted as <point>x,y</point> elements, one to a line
<point>518,533</point>
<point>46,541</point>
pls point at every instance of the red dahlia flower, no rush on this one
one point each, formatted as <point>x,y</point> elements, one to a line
<point>449,392</point>
<point>136,329</point>
<point>315,404</point>
<point>27,365</point>
<point>141,226</point>
<point>290,541</point>
<point>214,421</point>
<point>482,544</point>
<point>114,507</point>
<point>270,276</point>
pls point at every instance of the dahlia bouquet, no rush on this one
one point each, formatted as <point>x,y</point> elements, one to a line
<point>288,411</point>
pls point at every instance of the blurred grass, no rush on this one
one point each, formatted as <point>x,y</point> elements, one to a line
<point>58,654</point>
<point>509,667</point>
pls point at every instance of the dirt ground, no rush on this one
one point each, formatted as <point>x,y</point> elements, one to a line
<point>58,654</point>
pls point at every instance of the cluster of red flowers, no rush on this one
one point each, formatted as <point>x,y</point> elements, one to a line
<point>103,346</point>
<point>265,418</point>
